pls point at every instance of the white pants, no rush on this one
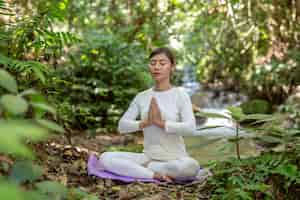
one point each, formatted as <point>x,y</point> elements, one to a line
<point>139,165</point>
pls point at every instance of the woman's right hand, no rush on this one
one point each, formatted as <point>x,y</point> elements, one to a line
<point>144,123</point>
<point>150,119</point>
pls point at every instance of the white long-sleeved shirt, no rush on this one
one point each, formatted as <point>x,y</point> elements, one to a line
<point>176,108</point>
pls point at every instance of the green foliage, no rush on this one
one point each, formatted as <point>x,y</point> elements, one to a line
<point>10,191</point>
<point>52,189</point>
<point>23,171</point>
<point>251,178</point>
<point>90,90</point>
<point>238,116</point>
<point>34,36</point>
<point>12,108</point>
<point>15,129</point>
<point>256,106</point>
<point>92,83</point>
<point>280,139</point>
<point>25,68</point>
<point>230,42</point>
<point>274,81</point>
<point>14,105</point>
<point>30,42</point>
<point>8,82</point>
<point>256,177</point>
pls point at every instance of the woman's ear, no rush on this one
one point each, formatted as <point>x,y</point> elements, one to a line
<point>173,68</point>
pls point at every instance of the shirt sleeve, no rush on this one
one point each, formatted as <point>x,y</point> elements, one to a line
<point>187,125</point>
<point>128,122</point>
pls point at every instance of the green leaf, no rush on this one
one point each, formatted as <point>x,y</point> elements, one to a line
<point>256,106</point>
<point>13,133</point>
<point>8,82</point>
<point>34,96</point>
<point>82,194</point>
<point>23,171</point>
<point>293,132</point>
<point>28,92</point>
<point>15,105</point>
<point>236,112</point>
<point>259,118</point>
<point>34,195</point>
<point>39,74</point>
<point>50,125</point>
<point>266,119</point>
<point>209,127</point>
<point>211,115</point>
<point>258,187</point>
<point>43,107</point>
<point>10,191</point>
<point>270,139</point>
<point>289,171</point>
<point>52,189</point>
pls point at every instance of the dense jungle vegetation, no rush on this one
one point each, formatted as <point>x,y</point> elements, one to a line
<point>68,70</point>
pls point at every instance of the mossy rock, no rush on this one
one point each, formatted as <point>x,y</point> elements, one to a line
<point>256,106</point>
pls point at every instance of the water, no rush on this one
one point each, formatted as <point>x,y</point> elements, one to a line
<point>213,144</point>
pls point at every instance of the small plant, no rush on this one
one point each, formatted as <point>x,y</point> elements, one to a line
<point>237,116</point>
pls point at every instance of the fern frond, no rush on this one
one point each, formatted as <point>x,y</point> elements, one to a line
<point>4,9</point>
<point>38,69</point>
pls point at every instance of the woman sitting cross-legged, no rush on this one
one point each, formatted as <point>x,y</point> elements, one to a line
<point>166,116</point>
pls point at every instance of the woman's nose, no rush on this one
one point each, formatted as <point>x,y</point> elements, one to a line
<point>157,66</point>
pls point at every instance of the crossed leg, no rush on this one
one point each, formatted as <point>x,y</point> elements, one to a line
<point>127,164</point>
<point>182,167</point>
<point>139,165</point>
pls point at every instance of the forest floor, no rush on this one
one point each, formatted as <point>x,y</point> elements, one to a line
<point>67,164</point>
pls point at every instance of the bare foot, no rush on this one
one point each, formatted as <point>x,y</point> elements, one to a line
<point>162,177</point>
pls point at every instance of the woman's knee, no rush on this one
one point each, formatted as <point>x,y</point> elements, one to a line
<point>190,166</point>
<point>105,157</point>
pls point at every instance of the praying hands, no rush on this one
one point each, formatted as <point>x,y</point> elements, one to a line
<point>154,116</point>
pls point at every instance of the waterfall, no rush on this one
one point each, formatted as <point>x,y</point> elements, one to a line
<point>213,102</point>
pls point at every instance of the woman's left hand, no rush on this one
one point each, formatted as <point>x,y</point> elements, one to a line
<point>157,118</point>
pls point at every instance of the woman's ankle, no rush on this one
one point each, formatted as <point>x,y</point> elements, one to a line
<point>162,177</point>
<point>157,175</point>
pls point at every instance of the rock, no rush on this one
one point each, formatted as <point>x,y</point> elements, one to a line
<point>201,99</point>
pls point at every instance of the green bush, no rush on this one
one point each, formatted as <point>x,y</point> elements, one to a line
<point>269,176</point>
<point>231,44</point>
<point>256,106</point>
<point>100,80</point>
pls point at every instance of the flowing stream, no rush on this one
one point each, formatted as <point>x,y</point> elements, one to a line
<point>213,144</point>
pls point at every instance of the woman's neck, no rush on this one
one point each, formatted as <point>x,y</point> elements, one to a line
<point>162,86</point>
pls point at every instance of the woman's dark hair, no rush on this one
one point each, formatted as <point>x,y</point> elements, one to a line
<point>165,51</point>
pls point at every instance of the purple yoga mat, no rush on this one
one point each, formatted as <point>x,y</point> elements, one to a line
<point>95,168</point>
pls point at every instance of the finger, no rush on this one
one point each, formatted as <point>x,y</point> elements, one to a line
<point>150,113</point>
<point>157,112</point>
<point>153,110</point>
<point>158,115</point>
<point>154,104</point>
<point>150,108</point>
<point>154,100</point>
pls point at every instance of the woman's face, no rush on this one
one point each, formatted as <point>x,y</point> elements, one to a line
<point>160,67</point>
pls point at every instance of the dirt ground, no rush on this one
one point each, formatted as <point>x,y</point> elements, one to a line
<point>68,165</point>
